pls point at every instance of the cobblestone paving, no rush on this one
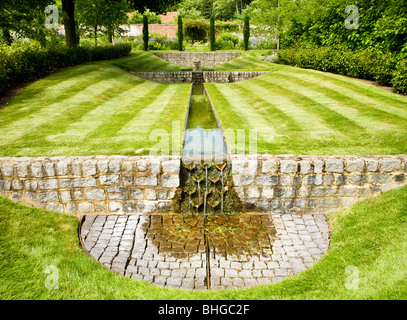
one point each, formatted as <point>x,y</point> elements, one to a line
<point>243,250</point>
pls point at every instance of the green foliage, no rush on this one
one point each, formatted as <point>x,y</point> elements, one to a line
<point>226,41</point>
<point>246,33</point>
<point>25,62</point>
<point>145,33</point>
<point>399,80</point>
<point>369,64</point>
<point>137,17</point>
<point>180,34</point>
<point>212,33</point>
<point>196,30</point>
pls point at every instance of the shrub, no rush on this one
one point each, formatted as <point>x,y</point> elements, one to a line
<point>137,17</point>
<point>399,81</point>
<point>369,64</point>
<point>196,30</point>
<point>26,62</point>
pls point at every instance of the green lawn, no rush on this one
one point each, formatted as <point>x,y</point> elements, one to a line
<point>101,108</point>
<point>370,236</point>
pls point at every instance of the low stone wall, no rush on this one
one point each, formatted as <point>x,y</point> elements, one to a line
<point>311,184</point>
<point>148,184</point>
<point>92,184</point>
<point>208,76</point>
<point>208,59</point>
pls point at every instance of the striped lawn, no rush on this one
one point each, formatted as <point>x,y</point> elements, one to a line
<point>100,108</point>
<point>91,109</point>
<point>298,111</point>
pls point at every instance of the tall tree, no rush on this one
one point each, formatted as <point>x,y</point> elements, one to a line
<point>212,33</point>
<point>158,6</point>
<point>145,32</point>
<point>246,32</point>
<point>180,34</point>
<point>68,7</point>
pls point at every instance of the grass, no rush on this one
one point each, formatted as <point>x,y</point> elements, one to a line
<point>370,236</point>
<point>100,108</point>
<point>309,112</point>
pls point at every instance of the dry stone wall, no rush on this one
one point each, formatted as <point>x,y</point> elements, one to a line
<point>150,184</point>
<point>208,59</point>
<point>208,76</point>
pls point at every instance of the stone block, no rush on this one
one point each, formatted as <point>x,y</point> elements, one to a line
<point>330,203</point>
<point>171,166</point>
<point>288,166</point>
<point>324,192</point>
<point>146,207</point>
<point>48,184</point>
<point>84,182</point>
<point>115,206</point>
<point>95,194</point>
<point>238,166</point>
<point>318,166</point>
<point>150,194</point>
<point>31,185</point>
<point>314,180</point>
<point>381,178</point>
<point>65,183</point>
<point>372,165</point>
<point>390,165</point>
<point>65,196</point>
<point>243,180</point>
<point>5,185</point>
<point>109,179</point>
<point>169,181</point>
<point>36,170</point>
<point>305,167</point>
<point>45,197</point>
<point>142,165</point>
<point>22,170</point>
<point>268,192</point>
<point>357,165</point>
<point>334,166</point>
<point>7,169</point>
<point>268,180</point>
<point>17,184</point>
<point>90,168</point>
<point>347,191</point>
<point>114,166</point>
<point>147,181</point>
<point>49,169</point>
<point>253,192</point>
<point>359,179</point>
<point>103,166</point>
<point>76,168</point>
<point>62,168</point>
<point>85,207</point>
<point>285,193</point>
<point>269,166</point>
<point>251,167</point>
<point>56,207</point>
<point>136,194</point>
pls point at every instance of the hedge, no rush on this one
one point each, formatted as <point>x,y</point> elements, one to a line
<point>26,62</point>
<point>369,64</point>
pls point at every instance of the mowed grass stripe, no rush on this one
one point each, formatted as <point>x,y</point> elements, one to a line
<point>303,94</point>
<point>145,61</point>
<point>293,106</point>
<point>363,114</point>
<point>245,110</point>
<point>57,116</point>
<point>103,117</point>
<point>24,105</point>
<point>367,113</point>
<point>359,91</point>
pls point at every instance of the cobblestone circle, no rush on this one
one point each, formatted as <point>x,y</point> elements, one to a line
<point>185,252</point>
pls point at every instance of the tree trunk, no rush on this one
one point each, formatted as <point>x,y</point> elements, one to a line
<point>68,7</point>
<point>96,36</point>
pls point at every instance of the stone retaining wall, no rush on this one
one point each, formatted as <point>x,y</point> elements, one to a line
<point>92,184</point>
<point>208,59</point>
<point>147,184</point>
<point>311,184</point>
<point>208,76</point>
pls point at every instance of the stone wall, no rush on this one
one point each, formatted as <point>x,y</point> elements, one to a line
<point>311,184</point>
<point>135,30</point>
<point>147,184</point>
<point>208,59</point>
<point>208,76</point>
<point>97,184</point>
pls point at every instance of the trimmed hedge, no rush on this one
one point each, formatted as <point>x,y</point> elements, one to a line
<point>366,64</point>
<point>26,62</point>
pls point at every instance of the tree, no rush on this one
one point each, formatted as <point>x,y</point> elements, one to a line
<point>23,19</point>
<point>246,32</point>
<point>145,32</point>
<point>212,33</point>
<point>158,6</point>
<point>97,13</point>
<point>180,34</point>
<point>68,7</point>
